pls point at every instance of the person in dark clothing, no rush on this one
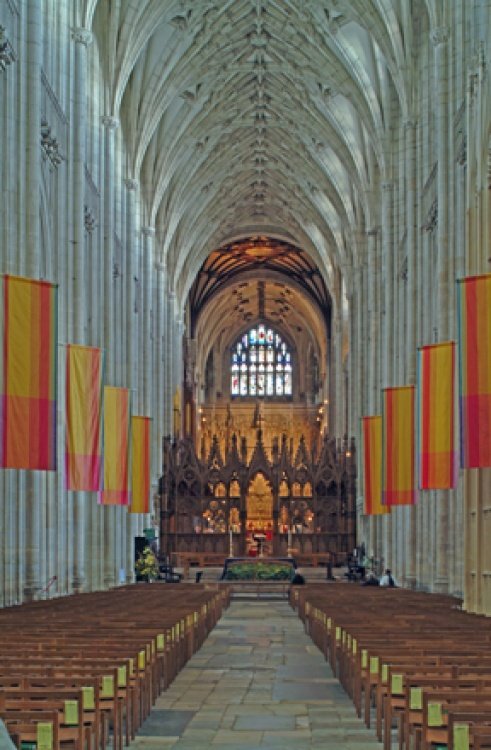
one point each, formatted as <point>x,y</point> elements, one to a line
<point>370,580</point>
<point>298,580</point>
<point>388,579</point>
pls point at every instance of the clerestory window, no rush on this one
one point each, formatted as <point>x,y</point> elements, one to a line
<point>261,364</point>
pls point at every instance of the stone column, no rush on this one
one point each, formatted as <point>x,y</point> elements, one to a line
<point>353,367</point>
<point>358,374</point>
<point>411,313</point>
<point>439,39</point>
<point>169,344</point>
<point>177,373</point>
<point>336,374</point>
<point>373,321</point>
<point>110,337</point>
<point>131,334</point>
<point>82,39</point>
<point>146,356</point>
<point>31,489</point>
<point>421,256</point>
<point>146,314</point>
<point>110,125</point>
<point>159,364</point>
<point>460,519</point>
<point>189,389</point>
<point>131,276</point>
<point>78,296</point>
<point>9,164</point>
<point>388,321</point>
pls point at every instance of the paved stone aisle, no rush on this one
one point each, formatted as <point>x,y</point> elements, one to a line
<point>258,682</point>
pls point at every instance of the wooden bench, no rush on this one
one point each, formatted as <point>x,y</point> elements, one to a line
<point>391,648</point>
<point>123,647</point>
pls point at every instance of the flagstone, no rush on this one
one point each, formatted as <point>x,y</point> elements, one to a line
<point>259,682</point>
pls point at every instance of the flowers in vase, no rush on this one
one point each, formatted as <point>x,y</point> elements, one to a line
<point>147,566</point>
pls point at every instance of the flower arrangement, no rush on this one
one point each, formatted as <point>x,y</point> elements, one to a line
<point>259,571</point>
<point>147,566</point>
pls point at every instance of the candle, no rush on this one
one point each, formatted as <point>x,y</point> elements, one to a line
<point>231,544</point>
<point>289,539</point>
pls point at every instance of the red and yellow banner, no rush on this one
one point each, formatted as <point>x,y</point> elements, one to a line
<point>436,390</point>
<point>116,446</point>
<point>140,465</point>
<point>28,372</point>
<point>83,448</point>
<point>475,370</point>
<point>398,446</point>
<point>372,465</point>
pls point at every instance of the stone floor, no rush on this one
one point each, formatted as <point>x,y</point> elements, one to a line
<point>258,682</point>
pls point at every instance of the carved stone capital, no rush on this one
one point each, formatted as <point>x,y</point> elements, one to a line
<point>110,122</point>
<point>148,231</point>
<point>387,186</point>
<point>82,36</point>
<point>439,35</point>
<point>131,184</point>
<point>50,146</point>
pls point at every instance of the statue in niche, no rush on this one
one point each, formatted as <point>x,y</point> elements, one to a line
<point>259,499</point>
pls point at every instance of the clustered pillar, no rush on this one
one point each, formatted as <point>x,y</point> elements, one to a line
<point>410,256</point>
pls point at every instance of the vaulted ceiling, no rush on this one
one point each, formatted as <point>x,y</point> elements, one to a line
<point>264,258</point>
<point>256,117</point>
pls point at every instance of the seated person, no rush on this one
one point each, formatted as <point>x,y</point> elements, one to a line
<point>370,580</point>
<point>298,580</point>
<point>388,579</point>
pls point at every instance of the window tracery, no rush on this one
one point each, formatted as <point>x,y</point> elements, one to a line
<point>261,364</point>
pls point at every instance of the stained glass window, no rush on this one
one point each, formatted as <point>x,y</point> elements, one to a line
<point>261,364</point>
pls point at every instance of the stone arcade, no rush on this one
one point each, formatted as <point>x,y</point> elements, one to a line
<point>192,171</point>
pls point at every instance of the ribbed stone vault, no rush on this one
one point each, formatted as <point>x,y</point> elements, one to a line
<point>243,115</point>
<point>149,148</point>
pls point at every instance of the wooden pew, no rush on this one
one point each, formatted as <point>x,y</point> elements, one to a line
<point>372,637</point>
<point>125,645</point>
